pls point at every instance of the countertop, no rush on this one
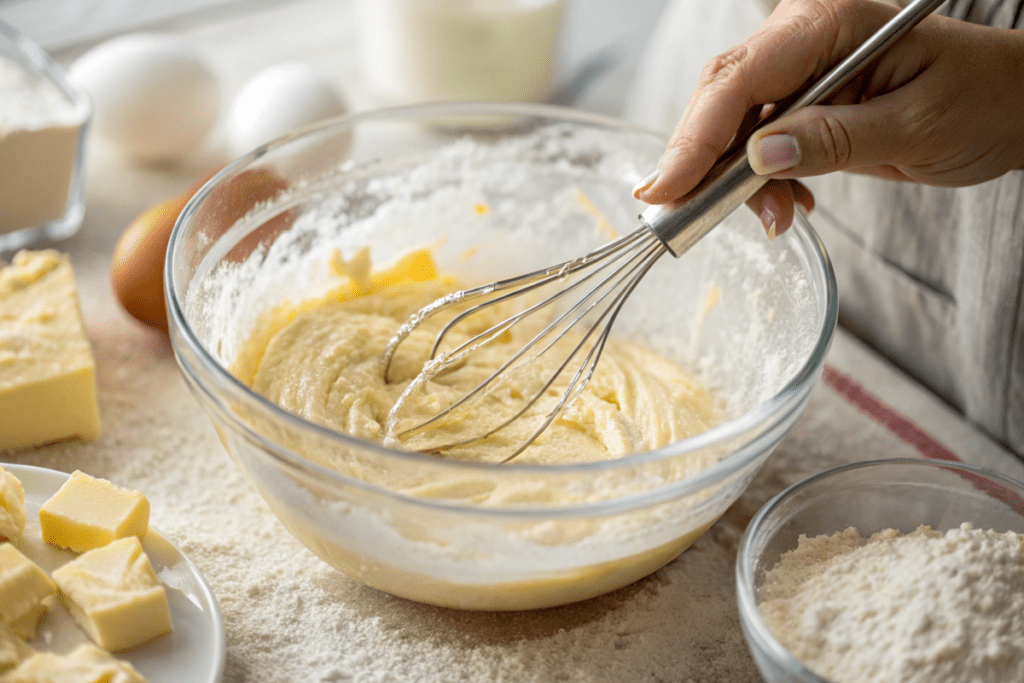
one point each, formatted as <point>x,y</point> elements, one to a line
<point>290,617</point>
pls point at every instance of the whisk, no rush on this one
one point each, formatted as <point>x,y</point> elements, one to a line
<point>590,292</point>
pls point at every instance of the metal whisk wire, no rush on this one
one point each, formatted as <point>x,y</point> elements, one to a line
<point>617,268</point>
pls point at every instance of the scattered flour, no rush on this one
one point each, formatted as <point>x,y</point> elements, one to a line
<point>290,617</point>
<point>926,606</point>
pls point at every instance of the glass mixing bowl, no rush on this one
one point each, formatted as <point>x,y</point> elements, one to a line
<point>493,190</point>
<point>871,496</point>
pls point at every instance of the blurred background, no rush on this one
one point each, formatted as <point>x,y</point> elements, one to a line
<point>597,52</point>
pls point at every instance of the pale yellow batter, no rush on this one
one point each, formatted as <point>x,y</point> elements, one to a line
<point>323,361</point>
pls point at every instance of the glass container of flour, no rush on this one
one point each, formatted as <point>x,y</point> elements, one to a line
<point>838,580</point>
<point>42,133</point>
<point>486,191</point>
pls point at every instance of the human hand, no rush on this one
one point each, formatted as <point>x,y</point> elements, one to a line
<point>943,106</point>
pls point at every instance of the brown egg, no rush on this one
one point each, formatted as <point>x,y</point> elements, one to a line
<point>233,199</point>
<point>137,268</point>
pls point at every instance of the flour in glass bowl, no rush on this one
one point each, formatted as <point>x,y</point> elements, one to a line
<point>928,606</point>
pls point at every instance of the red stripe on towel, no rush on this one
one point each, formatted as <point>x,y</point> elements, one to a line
<point>872,406</point>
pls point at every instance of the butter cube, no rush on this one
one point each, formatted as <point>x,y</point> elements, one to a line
<point>85,664</point>
<point>88,513</point>
<point>47,370</point>
<point>114,595</point>
<point>23,585</point>
<point>12,506</point>
<point>27,624</point>
<point>12,649</point>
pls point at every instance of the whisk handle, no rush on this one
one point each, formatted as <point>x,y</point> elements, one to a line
<point>731,181</point>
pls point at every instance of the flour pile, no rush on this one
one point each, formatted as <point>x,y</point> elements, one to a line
<point>923,607</point>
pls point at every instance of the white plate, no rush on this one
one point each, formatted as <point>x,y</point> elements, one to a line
<point>193,652</point>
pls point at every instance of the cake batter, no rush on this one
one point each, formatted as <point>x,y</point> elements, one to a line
<point>322,360</point>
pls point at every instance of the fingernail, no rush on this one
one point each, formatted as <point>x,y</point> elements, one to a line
<point>646,183</point>
<point>768,220</point>
<point>804,210</point>
<point>774,153</point>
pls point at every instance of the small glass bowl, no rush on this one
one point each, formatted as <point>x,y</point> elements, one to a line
<point>871,496</point>
<point>42,143</point>
<point>755,315</point>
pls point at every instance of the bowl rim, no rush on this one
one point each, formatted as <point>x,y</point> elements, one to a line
<point>755,629</point>
<point>774,411</point>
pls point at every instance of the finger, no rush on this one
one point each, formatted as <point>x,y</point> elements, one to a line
<point>823,139</point>
<point>798,42</point>
<point>802,196</point>
<point>775,203</point>
<point>753,117</point>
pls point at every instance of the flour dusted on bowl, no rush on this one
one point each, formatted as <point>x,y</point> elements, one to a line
<point>927,606</point>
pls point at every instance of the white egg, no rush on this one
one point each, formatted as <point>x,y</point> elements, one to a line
<point>152,95</point>
<point>276,101</point>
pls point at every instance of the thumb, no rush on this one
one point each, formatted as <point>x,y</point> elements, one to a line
<point>822,139</point>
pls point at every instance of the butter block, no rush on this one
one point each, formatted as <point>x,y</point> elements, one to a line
<point>114,595</point>
<point>88,513</point>
<point>12,506</point>
<point>85,664</point>
<point>47,370</point>
<point>23,585</point>
<point>12,649</point>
